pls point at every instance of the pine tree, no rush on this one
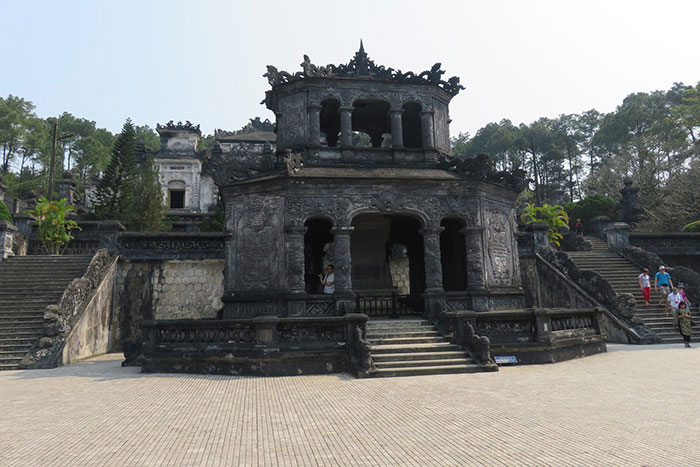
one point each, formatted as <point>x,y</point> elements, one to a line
<point>115,191</point>
<point>148,207</point>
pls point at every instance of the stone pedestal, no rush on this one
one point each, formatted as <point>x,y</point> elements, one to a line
<point>618,236</point>
<point>7,231</point>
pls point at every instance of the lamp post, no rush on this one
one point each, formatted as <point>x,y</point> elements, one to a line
<point>53,156</point>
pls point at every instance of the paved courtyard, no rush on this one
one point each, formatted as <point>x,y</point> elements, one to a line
<point>634,406</point>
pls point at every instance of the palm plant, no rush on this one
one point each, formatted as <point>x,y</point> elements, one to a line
<point>553,215</point>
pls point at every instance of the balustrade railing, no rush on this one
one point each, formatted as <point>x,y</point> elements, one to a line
<point>391,305</point>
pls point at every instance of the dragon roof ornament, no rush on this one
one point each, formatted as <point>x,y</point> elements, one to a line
<point>179,126</point>
<point>361,66</point>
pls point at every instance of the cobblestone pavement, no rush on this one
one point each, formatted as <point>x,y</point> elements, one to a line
<point>634,406</point>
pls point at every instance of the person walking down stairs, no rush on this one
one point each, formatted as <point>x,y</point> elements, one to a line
<point>645,284</point>
<point>685,323</point>
<point>662,280</point>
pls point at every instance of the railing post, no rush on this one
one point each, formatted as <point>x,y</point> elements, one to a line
<point>394,312</point>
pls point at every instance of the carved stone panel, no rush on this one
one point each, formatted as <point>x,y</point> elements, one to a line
<point>499,247</point>
<point>294,120</point>
<point>442,130</point>
<point>259,241</point>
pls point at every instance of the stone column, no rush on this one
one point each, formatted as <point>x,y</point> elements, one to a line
<point>314,115</point>
<point>473,236</point>
<point>433,262</point>
<point>426,123</point>
<point>346,126</point>
<point>296,286</point>
<point>344,295</point>
<point>396,116</point>
<point>476,273</point>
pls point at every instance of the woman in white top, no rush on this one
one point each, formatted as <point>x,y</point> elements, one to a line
<point>328,280</point>
<point>645,284</point>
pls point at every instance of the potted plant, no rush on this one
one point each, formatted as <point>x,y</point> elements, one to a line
<point>54,227</point>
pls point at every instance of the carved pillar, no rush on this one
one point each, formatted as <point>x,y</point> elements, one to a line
<point>230,252</point>
<point>296,287</point>
<point>396,116</point>
<point>346,126</point>
<point>343,269</point>
<point>314,115</point>
<point>476,278</point>
<point>433,263</point>
<point>426,120</point>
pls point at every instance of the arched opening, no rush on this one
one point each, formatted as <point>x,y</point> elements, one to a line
<point>411,123</point>
<point>453,254</point>
<point>330,122</point>
<point>388,272</point>
<point>176,194</point>
<point>318,252</point>
<point>371,117</point>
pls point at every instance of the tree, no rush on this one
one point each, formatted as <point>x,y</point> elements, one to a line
<point>148,137</point>
<point>14,113</point>
<point>54,228</point>
<point>148,208</point>
<point>114,195</point>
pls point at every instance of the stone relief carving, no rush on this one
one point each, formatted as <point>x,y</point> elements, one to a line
<point>238,165</point>
<point>479,168</point>
<point>258,258</point>
<point>179,126</point>
<point>499,247</point>
<point>341,209</point>
<point>294,120</point>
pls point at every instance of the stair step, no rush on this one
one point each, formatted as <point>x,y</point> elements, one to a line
<point>417,356</point>
<point>405,340</point>
<point>412,348</point>
<point>424,363</point>
<point>427,370</point>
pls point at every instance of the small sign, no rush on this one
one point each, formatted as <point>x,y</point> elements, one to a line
<point>506,360</point>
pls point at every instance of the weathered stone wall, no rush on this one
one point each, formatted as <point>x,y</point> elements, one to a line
<point>163,289</point>
<point>188,289</point>
<point>91,335</point>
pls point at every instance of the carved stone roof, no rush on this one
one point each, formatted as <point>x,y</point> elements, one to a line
<point>179,126</point>
<point>254,130</point>
<point>361,66</point>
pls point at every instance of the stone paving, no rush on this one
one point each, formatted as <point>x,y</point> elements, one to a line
<point>634,406</point>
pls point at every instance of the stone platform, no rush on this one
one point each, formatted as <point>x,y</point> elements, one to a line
<point>632,406</point>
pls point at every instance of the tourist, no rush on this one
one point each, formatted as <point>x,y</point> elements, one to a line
<point>644,282</point>
<point>328,280</point>
<point>681,290</point>
<point>579,227</point>
<point>685,323</point>
<point>662,281</point>
<point>673,300</point>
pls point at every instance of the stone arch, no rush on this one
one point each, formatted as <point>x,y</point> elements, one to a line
<point>412,125</point>
<point>371,116</point>
<point>330,121</point>
<point>417,214</point>
<point>177,194</point>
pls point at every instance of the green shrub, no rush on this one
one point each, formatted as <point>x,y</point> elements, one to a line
<point>5,213</point>
<point>692,227</point>
<point>590,207</point>
<point>553,215</point>
<point>54,228</point>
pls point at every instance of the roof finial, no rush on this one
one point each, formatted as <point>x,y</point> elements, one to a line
<point>362,47</point>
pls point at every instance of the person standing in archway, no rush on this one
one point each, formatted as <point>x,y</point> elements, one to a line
<point>328,280</point>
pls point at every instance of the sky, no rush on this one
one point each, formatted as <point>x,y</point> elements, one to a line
<point>203,61</point>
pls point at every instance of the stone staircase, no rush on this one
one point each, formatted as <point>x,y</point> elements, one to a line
<point>413,346</point>
<point>622,275</point>
<point>27,285</point>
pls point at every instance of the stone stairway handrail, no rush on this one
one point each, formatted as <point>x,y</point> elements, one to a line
<point>620,305</point>
<point>60,320</point>
<point>621,324</point>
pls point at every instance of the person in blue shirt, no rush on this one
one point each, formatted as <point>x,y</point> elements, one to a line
<point>662,281</point>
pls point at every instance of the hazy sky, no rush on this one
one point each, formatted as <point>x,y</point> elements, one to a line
<point>203,61</point>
